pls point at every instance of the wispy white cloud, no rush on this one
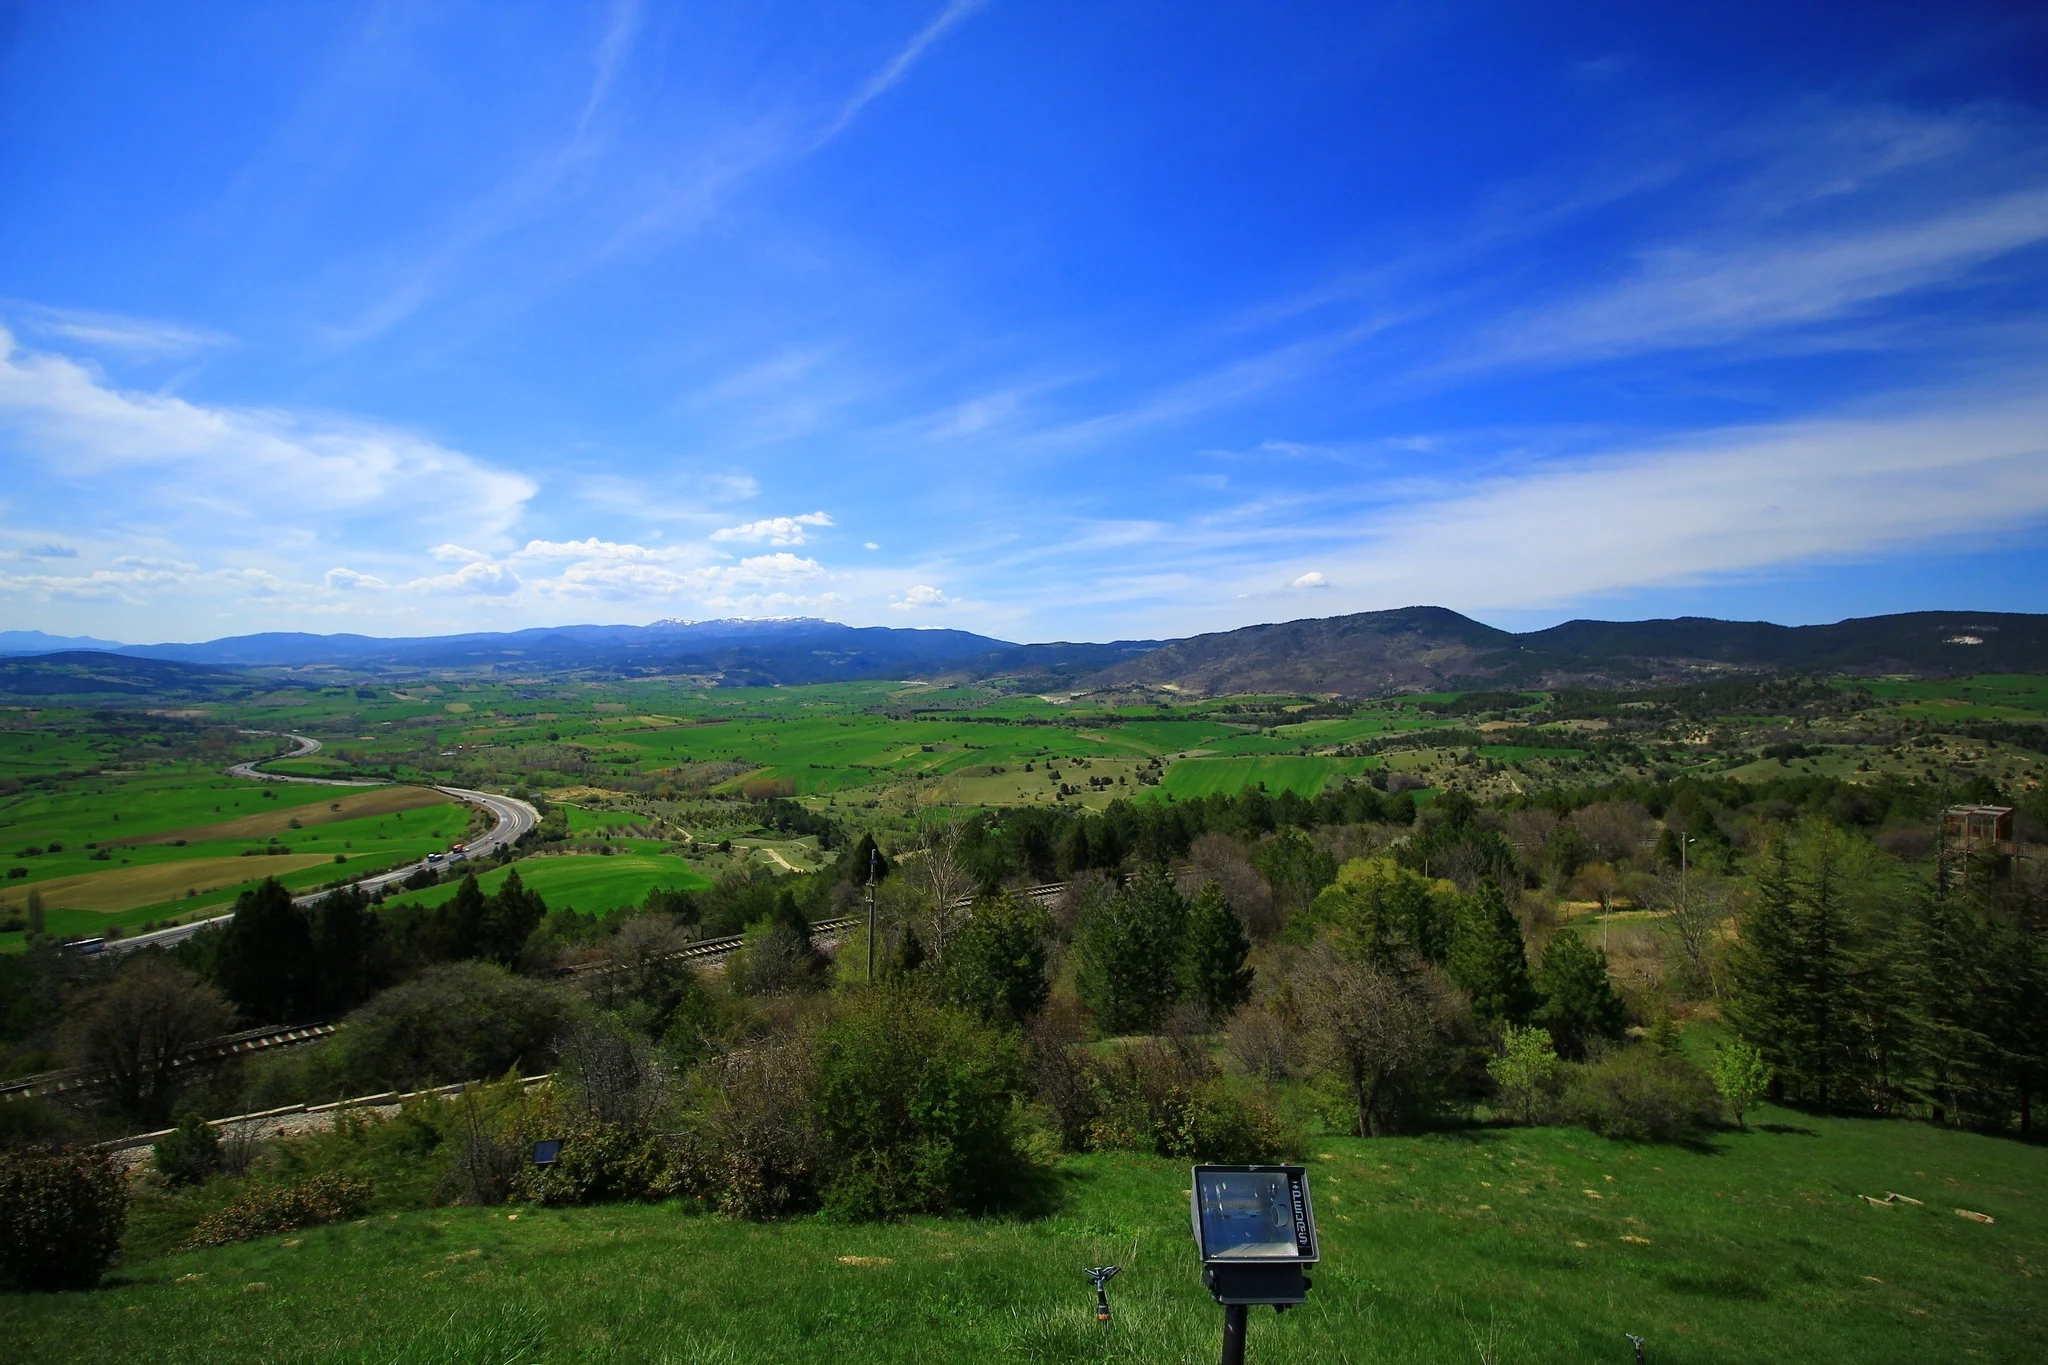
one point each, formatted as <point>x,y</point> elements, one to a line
<point>1711,507</point>
<point>139,338</point>
<point>897,67</point>
<point>1694,295</point>
<point>234,467</point>
<point>482,578</point>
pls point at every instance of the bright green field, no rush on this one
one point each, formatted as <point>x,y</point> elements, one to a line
<point>1493,1245</point>
<point>587,881</point>
<point>1209,776</point>
<point>138,884</point>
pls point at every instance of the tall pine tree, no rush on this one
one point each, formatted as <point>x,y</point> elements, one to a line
<point>1212,970</point>
<point>1488,958</point>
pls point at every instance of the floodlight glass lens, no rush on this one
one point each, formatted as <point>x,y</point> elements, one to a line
<point>1247,1214</point>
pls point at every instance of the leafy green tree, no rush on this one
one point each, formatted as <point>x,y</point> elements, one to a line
<point>1375,908</point>
<point>1579,1002</point>
<point>1128,950</point>
<point>1488,959</point>
<point>1526,1071</point>
<point>994,964</point>
<point>1742,1076</point>
<point>1295,868</point>
<point>1213,973</point>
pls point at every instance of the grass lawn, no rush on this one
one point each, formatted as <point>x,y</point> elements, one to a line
<point>587,881</point>
<point>1509,1245</point>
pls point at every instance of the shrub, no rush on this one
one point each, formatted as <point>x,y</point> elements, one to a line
<point>327,1198</point>
<point>1166,1098</point>
<point>62,1212</point>
<point>600,1163</point>
<point>767,1159</point>
<point>459,1022</point>
<point>913,1102</point>
<point>994,965</point>
<point>1641,1094</point>
<point>188,1153</point>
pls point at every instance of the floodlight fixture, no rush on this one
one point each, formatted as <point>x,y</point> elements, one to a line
<point>547,1151</point>
<point>1255,1229</point>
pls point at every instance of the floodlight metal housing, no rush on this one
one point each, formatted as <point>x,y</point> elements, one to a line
<point>1256,1231</point>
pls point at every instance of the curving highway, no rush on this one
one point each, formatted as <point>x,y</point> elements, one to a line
<point>512,818</point>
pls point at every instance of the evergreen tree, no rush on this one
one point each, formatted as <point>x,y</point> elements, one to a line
<point>863,859</point>
<point>1487,958</point>
<point>1212,969</point>
<point>459,924</point>
<point>348,946</point>
<point>1763,1000</point>
<point>509,919</point>
<point>994,964</point>
<point>1074,850</point>
<point>265,962</point>
<point>1127,952</point>
<point>1579,1002</point>
<point>1949,1048</point>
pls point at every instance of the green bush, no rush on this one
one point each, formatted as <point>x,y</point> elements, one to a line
<point>188,1153</point>
<point>913,1104</point>
<point>62,1212</point>
<point>1642,1094</point>
<point>460,1022</point>
<point>1168,1099</point>
<point>600,1163</point>
<point>327,1198</point>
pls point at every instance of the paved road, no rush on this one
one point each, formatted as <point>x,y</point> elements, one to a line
<point>513,818</point>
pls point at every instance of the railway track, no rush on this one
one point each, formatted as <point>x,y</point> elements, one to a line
<point>48,1084</point>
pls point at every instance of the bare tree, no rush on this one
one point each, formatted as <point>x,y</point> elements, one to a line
<point>610,1075</point>
<point>134,1030</point>
<point>1391,1031</point>
<point>943,877</point>
<point>1221,859</point>
<point>1618,831</point>
<point>1698,903</point>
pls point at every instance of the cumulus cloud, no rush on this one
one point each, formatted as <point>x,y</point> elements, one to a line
<point>919,597</point>
<point>457,554</point>
<point>773,530</point>
<point>1311,579</point>
<point>482,577</point>
<point>348,580</point>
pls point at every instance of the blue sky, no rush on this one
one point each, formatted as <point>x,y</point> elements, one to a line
<point>1047,320</point>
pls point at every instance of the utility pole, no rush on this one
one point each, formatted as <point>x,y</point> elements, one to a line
<point>874,856</point>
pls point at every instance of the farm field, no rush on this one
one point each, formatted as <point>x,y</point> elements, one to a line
<point>1305,776</point>
<point>587,881</point>
<point>304,836</point>
<point>1489,1244</point>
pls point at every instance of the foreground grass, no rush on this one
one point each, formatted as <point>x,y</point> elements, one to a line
<point>1527,1245</point>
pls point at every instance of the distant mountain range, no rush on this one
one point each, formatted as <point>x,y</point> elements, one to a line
<point>13,642</point>
<point>1368,654</point>
<point>1432,649</point>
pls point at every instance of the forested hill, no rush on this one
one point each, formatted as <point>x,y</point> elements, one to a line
<point>1431,648</point>
<point>1415,649</point>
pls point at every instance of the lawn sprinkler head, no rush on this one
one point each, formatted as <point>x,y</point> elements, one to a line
<point>1102,1275</point>
<point>1637,1342</point>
